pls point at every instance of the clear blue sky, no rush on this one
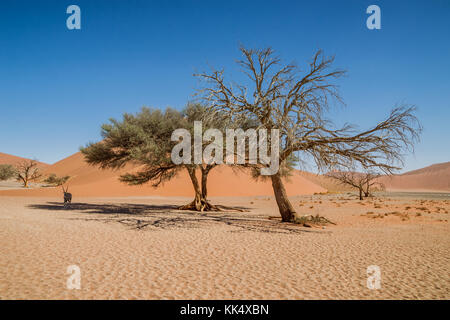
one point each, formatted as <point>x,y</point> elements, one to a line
<point>57,86</point>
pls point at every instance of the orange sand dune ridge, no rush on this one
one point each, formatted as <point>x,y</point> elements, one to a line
<point>432,178</point>
<point>90,181</point>
<point>10,159</point>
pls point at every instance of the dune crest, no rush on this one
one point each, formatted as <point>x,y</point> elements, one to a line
<point>432,178</point>
<point>10,159</point>
<point>90,181</point>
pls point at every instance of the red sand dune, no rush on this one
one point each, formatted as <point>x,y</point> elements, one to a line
<point>89,181</point>
<point>10,159</point>
<point>432,178</point>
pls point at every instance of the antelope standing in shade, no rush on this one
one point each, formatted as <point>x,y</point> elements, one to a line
<point>67,196</point>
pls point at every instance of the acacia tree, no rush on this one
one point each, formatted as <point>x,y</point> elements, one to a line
<point>7,172</point>
<point>364,182</point>
<point>27,171</point>
<point>54,180</point>
<point>145,139</point>
<point>211,120</point>
<point>197,112</point>
<point>281,96</point>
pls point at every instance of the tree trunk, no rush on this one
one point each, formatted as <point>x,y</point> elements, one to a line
<point>25,182</point>
<point>205,172</point>
<point>199,203</point>
<point>360,194</point>
<point>284,205</point>
<point>367,193</point>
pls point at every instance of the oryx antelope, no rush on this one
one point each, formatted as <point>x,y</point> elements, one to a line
<point>67,196</point>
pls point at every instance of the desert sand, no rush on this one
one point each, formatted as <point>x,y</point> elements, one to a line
<point>133,243</point>
<point>143,248</point>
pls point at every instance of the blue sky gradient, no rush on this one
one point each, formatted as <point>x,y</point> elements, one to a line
<point>57,86</point>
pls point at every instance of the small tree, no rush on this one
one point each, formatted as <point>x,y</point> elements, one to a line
<point>281,96</point>
<point>145,139</point>
<point>210,120</point>
<point>27,171</point>
<point>54,180</point>
<point>372,183</point>
<point>197,112</point>
<point>364,182</point>
<point>7,172</point>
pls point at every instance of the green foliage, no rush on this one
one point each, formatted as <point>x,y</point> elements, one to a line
<point>212,120</point>
<point>144,139</point>
<point>199,112</point>
<point>7,172</point>
<point>54,180</point>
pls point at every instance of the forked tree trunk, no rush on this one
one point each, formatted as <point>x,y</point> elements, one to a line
<point>284,205</point>
<point>199,203</point>
<point>24,181</point>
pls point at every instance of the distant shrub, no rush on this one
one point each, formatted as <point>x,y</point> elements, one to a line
<point>7,171</point>
<point>54,180</point>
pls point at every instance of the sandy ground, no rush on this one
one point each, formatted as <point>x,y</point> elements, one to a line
<point>143,248</point>
<point>15,185</point>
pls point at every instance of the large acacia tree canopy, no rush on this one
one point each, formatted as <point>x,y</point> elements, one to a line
<point>143,139</point>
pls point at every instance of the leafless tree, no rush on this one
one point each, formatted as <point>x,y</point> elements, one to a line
<point>364,182</point>
<point>281,96</point>
<point>27,171</point>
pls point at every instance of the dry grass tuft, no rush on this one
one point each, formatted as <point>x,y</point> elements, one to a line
<point>309,220</point>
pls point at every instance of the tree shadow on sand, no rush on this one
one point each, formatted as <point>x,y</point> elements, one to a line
<point>154,217</point>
